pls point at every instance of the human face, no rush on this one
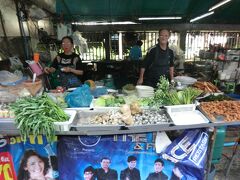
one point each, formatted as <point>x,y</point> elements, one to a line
<point>163,36</point>
<point>67,45</point>
<point>158,167</point>
<point>35,167</point>
<point>132,164</point>
<point>105,163</point>
<point>88,175</point>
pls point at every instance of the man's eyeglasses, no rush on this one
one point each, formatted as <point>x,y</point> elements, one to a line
<point>166,36</point>
<point>66,43</point>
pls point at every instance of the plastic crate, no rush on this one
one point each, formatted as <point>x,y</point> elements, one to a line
<point>234,96</point>
<point>65,126</point>
<point>180,108</point>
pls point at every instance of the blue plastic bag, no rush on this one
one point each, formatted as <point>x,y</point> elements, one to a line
<point>189,152</point>
<point>99,92</point>
<point>80,97</point>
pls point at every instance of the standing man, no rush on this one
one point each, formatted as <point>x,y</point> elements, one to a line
<point>106,173</point>
<point>131,172</point>
<point>136,52</point>
<point>158,174</point>
<point>159,61</point>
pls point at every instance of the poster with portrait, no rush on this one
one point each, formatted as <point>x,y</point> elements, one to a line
<point>76,153</point>
<point>80,157</point>
<point>34,158</point>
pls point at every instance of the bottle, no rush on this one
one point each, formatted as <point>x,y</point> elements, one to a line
<point>36,57</point>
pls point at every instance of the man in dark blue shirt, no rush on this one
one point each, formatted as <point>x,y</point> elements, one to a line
<point>158,174</point>
<point>106,173</point>
<point>131,172</point>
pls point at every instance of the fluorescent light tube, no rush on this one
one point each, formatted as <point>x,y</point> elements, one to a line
<point>159,18</point>
<point>202,16</point>
<point>219,4</point>
<point>103,23</point>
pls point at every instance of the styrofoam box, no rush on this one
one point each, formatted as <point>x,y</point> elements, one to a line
<point>180,108</point>
<point>65,126</point>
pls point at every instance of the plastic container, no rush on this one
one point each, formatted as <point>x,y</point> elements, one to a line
<point>234,96</point>
<point>221,75</point>
<point>36,57</point>
<point>180,108</point>
<point>65,126</point>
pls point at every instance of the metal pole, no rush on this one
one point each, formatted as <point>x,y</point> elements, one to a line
<point>22,17</point>
<point>210,151</point>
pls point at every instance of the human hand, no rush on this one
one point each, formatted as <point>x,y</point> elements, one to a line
<point>66,69</point>
<point>47,70</point>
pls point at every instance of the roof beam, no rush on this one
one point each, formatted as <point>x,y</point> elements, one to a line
<point>173,27</point>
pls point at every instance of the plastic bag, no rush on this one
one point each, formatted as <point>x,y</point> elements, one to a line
<point>9,79</point>
<point>15,63</point>
<point>99,92</point>
<point>80,97</point>
<point>80,41</point>
<point>189,151</point>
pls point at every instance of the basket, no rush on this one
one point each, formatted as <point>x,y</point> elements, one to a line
<point>33,87</point>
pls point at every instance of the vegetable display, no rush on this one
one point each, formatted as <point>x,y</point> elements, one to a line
<point>165,95</point>
<point>207,87</point>
<point>213,97</point>
<point>109,101</point>
<point>36,115</point>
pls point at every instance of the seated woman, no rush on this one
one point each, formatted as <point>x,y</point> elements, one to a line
<point>68,64</point>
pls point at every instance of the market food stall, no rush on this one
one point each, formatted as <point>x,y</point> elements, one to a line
<point>91,133</point>
<point>108,128</point>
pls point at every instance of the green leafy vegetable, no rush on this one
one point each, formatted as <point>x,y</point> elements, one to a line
<point>36,115</point>
<point>164,95</point>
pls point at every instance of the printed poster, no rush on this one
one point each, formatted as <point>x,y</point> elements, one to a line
<point>30,160</point>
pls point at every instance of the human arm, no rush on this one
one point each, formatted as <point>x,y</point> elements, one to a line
<point>141,75</point>
<point>54,65</point>
<point>171,72</point>
<point>138,175</point>
<point>147,62</point>
<point>171,69</point>
<point>122,175</point>
<point>115,175</point>
<point>72,70</point>
<point>49,70</point>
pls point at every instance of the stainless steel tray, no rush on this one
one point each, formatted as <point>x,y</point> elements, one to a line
<point>82,122</point>
<point>219,119</point>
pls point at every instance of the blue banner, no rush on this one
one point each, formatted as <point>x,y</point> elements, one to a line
<point>34,158</point>
<point>76,154</point>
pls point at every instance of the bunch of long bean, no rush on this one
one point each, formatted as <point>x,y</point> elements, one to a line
<point>36,115</point>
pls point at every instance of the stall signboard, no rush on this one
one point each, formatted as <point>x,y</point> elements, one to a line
<point>80,155</point>
<point>34,158</point>
<point>131,156</point>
